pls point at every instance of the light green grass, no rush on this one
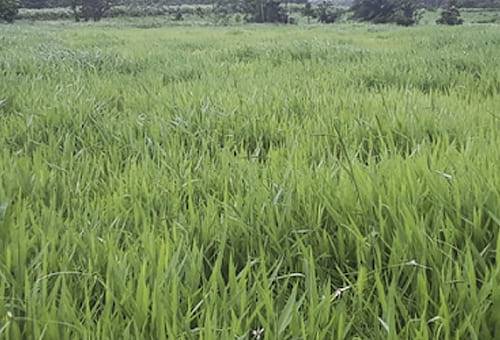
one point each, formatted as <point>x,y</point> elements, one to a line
<point>201,183</point>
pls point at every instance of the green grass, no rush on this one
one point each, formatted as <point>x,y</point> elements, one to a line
<point>203,183</point>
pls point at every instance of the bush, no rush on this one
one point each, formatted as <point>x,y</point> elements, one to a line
<point>46,14</point>
<point>401,12</point>
<point>258,11</point>
<point>90,9</point>
<point>327,13</point>
<point>199,12</point>
<point>8,10</point>
<point>308,11</point>
<point>115,11</point>
<point>261,11</point>
<point>178,15</point>
<point>450,15</point>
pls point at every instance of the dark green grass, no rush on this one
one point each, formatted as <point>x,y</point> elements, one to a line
<point>204,183</point>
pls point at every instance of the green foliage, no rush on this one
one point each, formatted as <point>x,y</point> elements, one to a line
<point>480,3</point>
<point>261,11</point>
<point>165,13</point>
<point>90,9</point>
<point>258,11</point>
<point>199,11</point>
<point>401,12</point>
<point>8,10</point>
<point>230,182</point>
<point>34,3</point>
<point>327,13</point>
<point>308,11</point>
<point>45,3</point>
<point>178,15</point>
<point>450,15</point>
<point>225,8</point>
<point>432,4</point>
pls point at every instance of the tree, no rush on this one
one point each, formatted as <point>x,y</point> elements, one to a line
<point>407,13</point>
<point>258,11</point>
<point>401,12</point>
<point>433,3</point>
<point>327,13</point>
<point>178,15</point>
<point>8,10</point>
<point>377,11</point>
<point>308,11</point>
<point>261,11</point>
<point>450,15</point>
<point>224,8</point>
<point>90,9</point>
<point>34,3</point>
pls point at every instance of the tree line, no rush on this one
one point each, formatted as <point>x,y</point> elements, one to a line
<point>402,12</point>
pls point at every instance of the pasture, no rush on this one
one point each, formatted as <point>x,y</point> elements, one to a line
<point>253,182</point>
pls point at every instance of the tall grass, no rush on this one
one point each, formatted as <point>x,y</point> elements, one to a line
<point>221,183</point>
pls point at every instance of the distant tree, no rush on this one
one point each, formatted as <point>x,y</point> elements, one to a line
<point>401,12</point>
<point>258,11</point>
<point>450,14</point>
<point>224,8</point>
<point>480,3</point>
<point>261,11</point>
<point>433,3</point>
<point>35,3</point>
<point>377,11</point>
<point>178,15</point>
<point>8,10</point>
<point>308,12</point>
<point>90,9</point>
<point>327,13</point>
<point>407,13</point>
<point>199,12</point>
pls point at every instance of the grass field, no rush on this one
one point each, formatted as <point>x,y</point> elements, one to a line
<point>214,183</point>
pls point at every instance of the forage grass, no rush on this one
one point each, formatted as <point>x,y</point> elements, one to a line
<point>249,183</point>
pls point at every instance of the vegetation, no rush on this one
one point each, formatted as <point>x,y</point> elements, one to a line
<point>328,13</point>
<point>90,9</point>
<point>8,10</point>
<point>309,12</point>
<point>450,15</point>
<point>402,12</point>
<point>253,182</point>
<point>201,13</point>
<point>259,11</point>
<point>480,3</point>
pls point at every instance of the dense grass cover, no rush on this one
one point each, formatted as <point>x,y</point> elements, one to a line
<point>184,183</point>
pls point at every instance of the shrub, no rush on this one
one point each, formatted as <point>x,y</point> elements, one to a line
<point>327,13</point>
<point>178,15</point>
<point>401,12</point>
<point>199,12</point>
<point>261,11</point>
<point>46,14</point>
<point>8,10</point>
<point>258,11</point>
<point>450,15</point>
<point>309,11</point>
<point>90,9</point>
